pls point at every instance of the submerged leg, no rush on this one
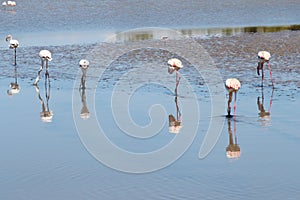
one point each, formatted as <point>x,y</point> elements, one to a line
<point>15,56</point>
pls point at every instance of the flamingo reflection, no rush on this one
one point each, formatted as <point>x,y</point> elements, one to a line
<point>175,124</point>
<point>14,87</point>
<point>46,114</point>
<point>84,114</point>
<point>233,150</point>
<point>264,115</point>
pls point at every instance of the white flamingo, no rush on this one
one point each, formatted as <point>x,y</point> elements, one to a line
<point>45,56</point>
<point>4,4</point>
<point>13,44</point>
<point>11,3</point>
<point>264,57</point>
<point>232,85</point>
<point>175,64</point>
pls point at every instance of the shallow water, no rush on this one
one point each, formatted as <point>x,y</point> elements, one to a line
<point>54,160</point>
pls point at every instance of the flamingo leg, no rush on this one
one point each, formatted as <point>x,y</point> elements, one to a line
<point>15,56</point>
<point>38,75</point>
<point>234,106</point>
<point>177,82</point>
<point>47,72</point>
<point>228,104</point>
<point>262,76</point>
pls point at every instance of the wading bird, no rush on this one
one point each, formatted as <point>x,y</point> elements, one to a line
<point>4,4</point>
<point>13,44</point>
<point>45,56</point>
<point>84,114</point>
<point>11,3</point>
<point>264,57</point>
<point>175,64</point>
<point>232,85</point>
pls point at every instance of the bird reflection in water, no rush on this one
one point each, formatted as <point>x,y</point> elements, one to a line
<point>175,124</point>
<point>46,114</point>
<point>84,114</point>
<point>14,87</point>
<point>233,150</point>
<point>265,116</point>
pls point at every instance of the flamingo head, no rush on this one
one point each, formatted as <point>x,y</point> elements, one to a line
<point>8,38</point>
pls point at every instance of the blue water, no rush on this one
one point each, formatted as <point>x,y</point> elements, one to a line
<point>51,160</point>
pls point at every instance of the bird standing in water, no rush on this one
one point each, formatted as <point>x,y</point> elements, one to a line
<point>232,85</point>
<point>264,57</point>
<point>175,64</point>
<point>13,44</point>
<point>85,113</point>
<point>45,56</point>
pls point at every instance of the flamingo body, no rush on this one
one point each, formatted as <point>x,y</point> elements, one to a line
<point>84,63</point>
<point>45,55</point>
<point>11,3</point>
<point>4,4</point>
<point>264,55</point>
<point>174,62</point>
<point>233,84</point>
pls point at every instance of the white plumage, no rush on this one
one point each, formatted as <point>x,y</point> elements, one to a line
<point>264,55</point>
<point>233,84</point>
<point>45,55</point>
<point>84,63</point>
<point>174,62</point>
<point>13,44</point>
<point>11,3</point>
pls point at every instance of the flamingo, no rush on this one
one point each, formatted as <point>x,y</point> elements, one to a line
<point>13,44</point>
<point>232,85</point>
<point>175,64</point>
<point>84,114</point>
<point>264,57</point>
<point>45,56</point>
<point>11,3</point>
<point>4,4</point>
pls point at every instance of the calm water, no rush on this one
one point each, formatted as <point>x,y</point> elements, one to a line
<point>52,160</point>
